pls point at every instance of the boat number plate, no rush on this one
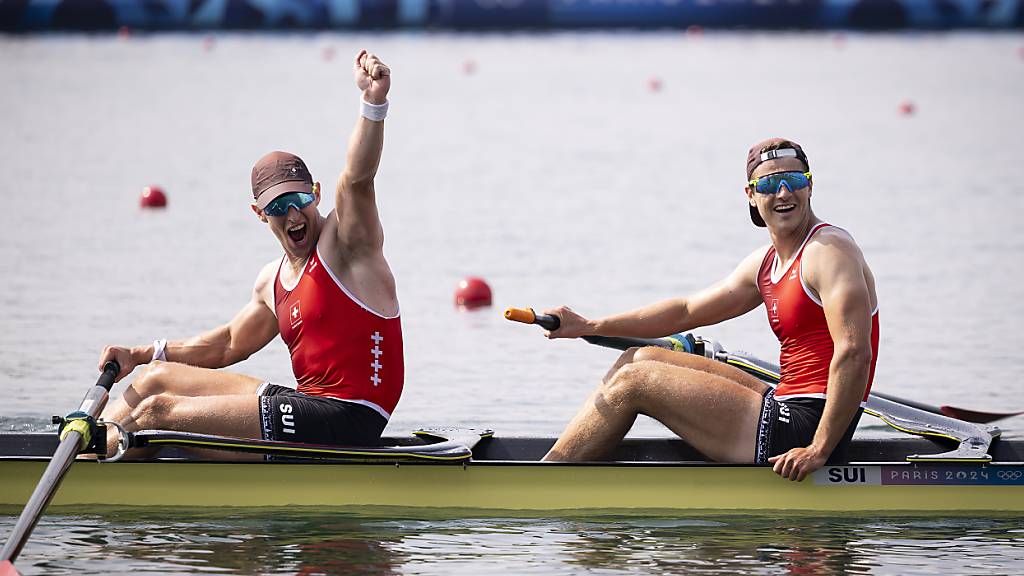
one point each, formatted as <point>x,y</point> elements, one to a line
<point>950,475</point>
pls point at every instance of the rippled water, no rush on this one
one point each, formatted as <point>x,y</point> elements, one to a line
<point>557,173</point>
<point>297,542</point>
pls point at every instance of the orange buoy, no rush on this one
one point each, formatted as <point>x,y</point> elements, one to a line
<point>153,197</point>
<point>907,108</point>
<point>654,84</point>
<point>472,293</point>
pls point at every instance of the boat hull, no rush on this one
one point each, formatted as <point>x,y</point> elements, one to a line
<point>524,487</point>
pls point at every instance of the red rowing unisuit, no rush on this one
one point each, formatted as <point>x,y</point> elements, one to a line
<point>339,347</point>
<point>798,320</point>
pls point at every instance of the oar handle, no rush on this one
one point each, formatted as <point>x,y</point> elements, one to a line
<point>110,371</point>
<point>528,316</point>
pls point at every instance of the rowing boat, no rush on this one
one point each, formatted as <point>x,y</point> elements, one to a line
<point>505,475</point>
<point>456,470</point>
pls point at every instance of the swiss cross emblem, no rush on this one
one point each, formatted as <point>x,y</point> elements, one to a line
<point>774,309</point>
<point>294,315</point>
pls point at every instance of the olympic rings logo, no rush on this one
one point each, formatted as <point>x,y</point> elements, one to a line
<point>1010,474</point>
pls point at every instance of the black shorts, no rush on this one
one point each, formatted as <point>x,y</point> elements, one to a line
<point>290,416</point>
<point>791,424</point>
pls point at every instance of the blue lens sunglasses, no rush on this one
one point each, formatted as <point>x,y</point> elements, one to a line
<point>279,206</point>
<point>772,183</point>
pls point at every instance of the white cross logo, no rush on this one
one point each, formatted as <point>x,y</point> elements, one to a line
<point>376,351</point>
<point>295,311</point>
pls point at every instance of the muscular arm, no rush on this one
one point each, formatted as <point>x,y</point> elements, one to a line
<point>252,328</point>
<point>834,267</point>
<point>359,226</point>
<point>732,296</point>
<point>248,332</point>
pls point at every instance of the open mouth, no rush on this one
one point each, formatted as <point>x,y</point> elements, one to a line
<point>783,208</point>
<point>297,233</point>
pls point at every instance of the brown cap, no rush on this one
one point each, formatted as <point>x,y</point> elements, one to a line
<point>771,149</point>
<point>279,173</point>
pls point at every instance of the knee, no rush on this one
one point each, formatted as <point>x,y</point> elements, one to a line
<point>153,410</point>
<point>647,353</point>
<point>151,380</point>
<point>625,359</point>
<point>626,385</point>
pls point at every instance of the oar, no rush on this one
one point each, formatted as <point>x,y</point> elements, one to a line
<point>684,343</point>
<point>75,436</point>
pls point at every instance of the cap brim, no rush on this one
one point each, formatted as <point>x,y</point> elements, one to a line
<point>276,190</point>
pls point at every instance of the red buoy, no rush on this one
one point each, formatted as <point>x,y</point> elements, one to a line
<point>695,31</point>
<point>208,42</point>
<point>124,33</point>
<point>472,293</point>
<point>907,108</point>
<point>153,197</point>
<point>654,84</point>
<point>469,67</point>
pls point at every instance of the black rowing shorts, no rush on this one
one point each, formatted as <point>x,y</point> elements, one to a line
<point>290,416</point>
<point>791,424</point>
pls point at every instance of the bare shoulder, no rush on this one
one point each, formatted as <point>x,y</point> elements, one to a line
<point>264,286</point>
<point>752,263</point>
<point>832,243</point>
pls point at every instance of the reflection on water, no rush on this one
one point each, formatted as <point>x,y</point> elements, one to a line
<point>277,541</point>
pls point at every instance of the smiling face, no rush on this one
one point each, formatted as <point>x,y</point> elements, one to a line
<point>787,210</point>
<point>297,230</point>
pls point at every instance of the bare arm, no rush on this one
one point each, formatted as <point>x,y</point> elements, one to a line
<point>728,298</point>
<point>835,268</point>
<point>359,226</point>
<point>252,328</point>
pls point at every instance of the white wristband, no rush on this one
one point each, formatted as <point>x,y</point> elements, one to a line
<point>375,112</point>
<point>159,350</point>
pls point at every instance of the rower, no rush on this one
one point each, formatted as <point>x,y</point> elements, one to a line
<point>819,295</point>
<point>331,297</point>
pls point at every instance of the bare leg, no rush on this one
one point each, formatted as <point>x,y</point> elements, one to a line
<point>179,381</point>
<point>704,365</point>
<point>233,415</point>
<point>715,410</point>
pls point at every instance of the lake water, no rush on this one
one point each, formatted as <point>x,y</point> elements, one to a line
<point>551,166</point>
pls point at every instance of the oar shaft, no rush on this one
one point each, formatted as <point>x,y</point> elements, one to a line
<point>68,448</point>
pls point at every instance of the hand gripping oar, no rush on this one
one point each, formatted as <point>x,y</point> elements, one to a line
<point>759,368</point>
<point>75,435</point>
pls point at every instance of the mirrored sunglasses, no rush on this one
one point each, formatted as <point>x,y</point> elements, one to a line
<point>279,206</point>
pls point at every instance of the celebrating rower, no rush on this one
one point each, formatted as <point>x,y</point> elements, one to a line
<point>331,297</point>
<point>820,298</point>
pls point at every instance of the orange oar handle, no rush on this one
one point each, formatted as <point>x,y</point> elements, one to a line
<point>528,316</point>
